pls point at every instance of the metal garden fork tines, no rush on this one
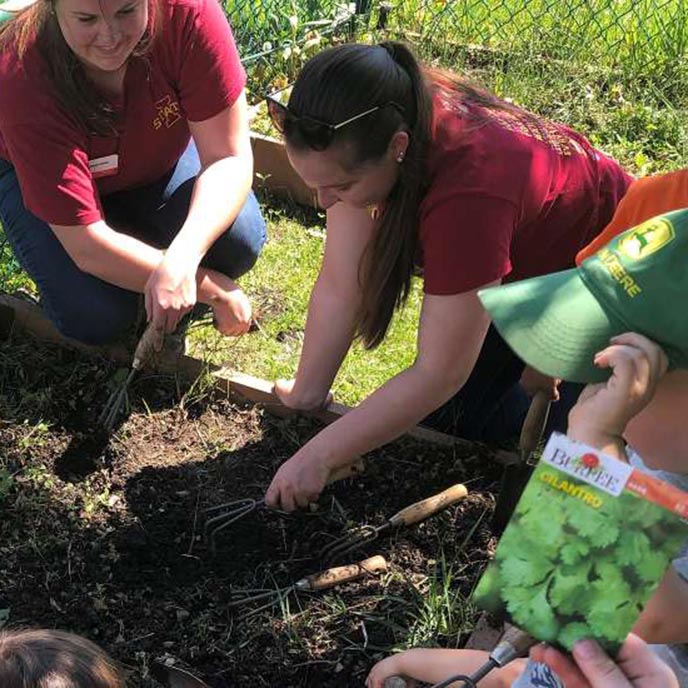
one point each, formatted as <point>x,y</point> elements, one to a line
<point>414,513</point>
<point>226,515</point>
<point>113,405</point>
<point>230,512</point>
<point>323,580</point>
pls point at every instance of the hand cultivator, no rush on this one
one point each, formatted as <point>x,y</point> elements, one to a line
<point>323,580</point>
<point>231,512</point>
<point>228,513</point>
<point>514,644</point>
<point>415,513</point>
<point>143,351</point>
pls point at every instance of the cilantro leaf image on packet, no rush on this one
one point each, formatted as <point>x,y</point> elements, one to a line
<point>588,543</point>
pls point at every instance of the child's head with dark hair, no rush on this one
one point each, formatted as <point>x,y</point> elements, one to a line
<point>42,658</point>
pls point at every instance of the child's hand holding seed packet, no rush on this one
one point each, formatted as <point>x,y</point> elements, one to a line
<point>589,541</point>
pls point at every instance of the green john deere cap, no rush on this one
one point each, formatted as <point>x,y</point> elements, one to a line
<point>637,283</point>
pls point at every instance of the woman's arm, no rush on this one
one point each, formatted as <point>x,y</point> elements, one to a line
<point>122,260</point>
<point>331,310</point>
<point>172,280</point>
<point>222,185</point>
<point>452,330</point>
<point>220,191</point>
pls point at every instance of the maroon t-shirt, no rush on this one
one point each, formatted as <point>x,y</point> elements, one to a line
<point>192,73</point>
<point>510,197</point>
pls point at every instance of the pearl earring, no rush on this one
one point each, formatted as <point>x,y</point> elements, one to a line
<point>400,157</point>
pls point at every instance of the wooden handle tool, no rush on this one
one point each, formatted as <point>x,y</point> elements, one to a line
<point>349,471</point>
<point>534,424</point>
<point>427,507</point>
<point>149,342</point>
<point>517,473</point>
<point>342,574</point>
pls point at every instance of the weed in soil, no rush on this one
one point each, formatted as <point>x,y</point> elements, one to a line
<point>107,541</point>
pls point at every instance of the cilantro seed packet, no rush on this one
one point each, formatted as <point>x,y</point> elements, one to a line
<point>587,545</point>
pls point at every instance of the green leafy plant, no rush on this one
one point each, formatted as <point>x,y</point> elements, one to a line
<point>576,561</point>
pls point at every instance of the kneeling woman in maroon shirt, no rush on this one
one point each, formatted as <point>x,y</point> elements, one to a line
<point>418,169</point>
<point>125,162</point>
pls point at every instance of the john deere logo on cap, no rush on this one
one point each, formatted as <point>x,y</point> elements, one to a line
<point>646,238</point>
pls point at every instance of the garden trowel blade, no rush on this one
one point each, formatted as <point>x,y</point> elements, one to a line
<point>174,677</point>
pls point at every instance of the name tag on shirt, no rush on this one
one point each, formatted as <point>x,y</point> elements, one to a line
<point>107,166</point>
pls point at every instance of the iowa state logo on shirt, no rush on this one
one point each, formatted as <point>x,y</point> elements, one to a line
<point>167,113</point>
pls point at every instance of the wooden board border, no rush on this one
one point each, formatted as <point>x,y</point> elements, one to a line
<point>16,312</point>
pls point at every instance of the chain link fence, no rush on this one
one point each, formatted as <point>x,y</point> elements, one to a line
<point>276,37</point>
<point>638,35</point>
<point>631,55</point>
<point>646,39</point>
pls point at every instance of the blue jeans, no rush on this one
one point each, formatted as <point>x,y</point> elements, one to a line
<point>492,405</point>
<point>89,309</point>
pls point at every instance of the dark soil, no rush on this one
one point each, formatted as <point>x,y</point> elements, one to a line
<point>103,536</point>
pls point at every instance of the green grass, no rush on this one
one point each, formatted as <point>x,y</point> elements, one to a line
<point>629,33</point>
<point>442,615</point>
<point>611,71</point>
<point>280,287</point>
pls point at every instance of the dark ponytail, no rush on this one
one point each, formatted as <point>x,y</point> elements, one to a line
<point>344,81</point>
<point>337,84</point>
<point>389,259</point>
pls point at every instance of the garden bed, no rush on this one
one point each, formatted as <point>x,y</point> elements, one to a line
<point>273,171</point>
<point>105,539</point>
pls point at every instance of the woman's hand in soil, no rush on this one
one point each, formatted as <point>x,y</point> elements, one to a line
<point>298,482</point>
<point>169,293</point>
<point>386,669</point>
<point>232,313</point>
<point>291,398</point>
<point>636,666</point>
<point>603,410</point>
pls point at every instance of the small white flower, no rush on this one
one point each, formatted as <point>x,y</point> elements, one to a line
<point>293,21</point>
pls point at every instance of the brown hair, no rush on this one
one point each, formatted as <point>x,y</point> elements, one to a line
<point>54,659</point>
<point>37,24</point>
<point>343,81</point>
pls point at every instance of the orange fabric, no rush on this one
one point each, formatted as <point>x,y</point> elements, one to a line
<point>644,199</point>
<point>658,492</point>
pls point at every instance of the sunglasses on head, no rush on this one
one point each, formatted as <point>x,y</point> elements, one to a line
<point>318,134</point>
